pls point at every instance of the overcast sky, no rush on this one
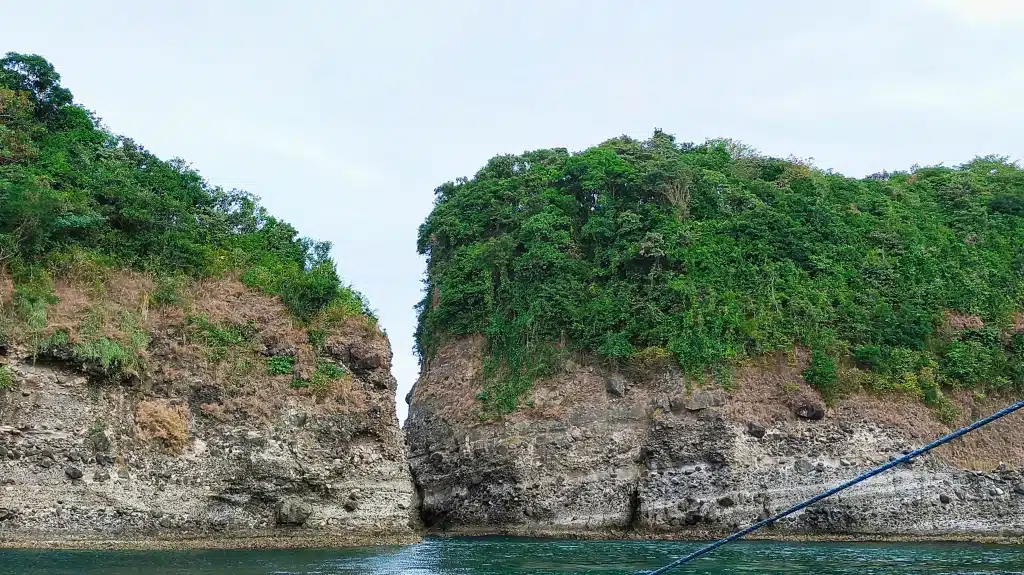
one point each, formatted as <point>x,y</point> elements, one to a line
<point>344,116</point>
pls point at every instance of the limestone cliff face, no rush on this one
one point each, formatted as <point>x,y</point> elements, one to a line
<point>204,441</point>
<point>638,454</point>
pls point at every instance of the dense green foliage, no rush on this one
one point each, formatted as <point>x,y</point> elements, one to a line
<point>72,191</point>
<point>710,253</point>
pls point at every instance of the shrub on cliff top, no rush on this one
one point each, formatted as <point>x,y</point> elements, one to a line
<point>715,253</point>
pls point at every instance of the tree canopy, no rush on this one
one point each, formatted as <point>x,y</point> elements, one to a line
<point>70,189</point>
<point>635,251</point>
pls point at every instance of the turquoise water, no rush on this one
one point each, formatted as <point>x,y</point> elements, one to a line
<point>501,556</point>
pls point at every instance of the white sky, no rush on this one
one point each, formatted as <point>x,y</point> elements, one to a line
<point>344,116</point>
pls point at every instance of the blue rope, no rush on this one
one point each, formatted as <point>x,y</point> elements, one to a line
<point>833,491</point>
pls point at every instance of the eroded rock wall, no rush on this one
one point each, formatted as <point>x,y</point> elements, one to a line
<point>191,451</point>
<point>605,454</point>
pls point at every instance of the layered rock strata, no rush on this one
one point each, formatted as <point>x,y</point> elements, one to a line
<point>202,450</point>
<point>639,454</point>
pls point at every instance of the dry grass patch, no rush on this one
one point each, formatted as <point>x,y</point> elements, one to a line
<point>958,322</point>
<point>767,388</point>
<point>349,395</point>
<point>984,449</point>
<point>342,326</point>
<point>97,325</point>
<point>227,300</point>
<point>73,301</point>
<point>158,420</point>
<point>215,330</point>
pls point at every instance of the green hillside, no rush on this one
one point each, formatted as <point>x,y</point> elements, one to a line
<point>72,194</point>
<point>639,252</point>
<point>80,206</point>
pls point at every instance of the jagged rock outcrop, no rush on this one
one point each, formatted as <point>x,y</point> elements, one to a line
<point>204,445</point>
<point>660,460</point>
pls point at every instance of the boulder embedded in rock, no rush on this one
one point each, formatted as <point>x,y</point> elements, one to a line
<point>756,430</point>
<point>616,385</point>
<point>99,441</point>
<point>293,512</point>
<point>73,473</point>
<point>280,349</point>
<point>810,411</point>
<point>804,466</point>
<point>365,357</point>
<point>359,356</point>
<point>945,499</point>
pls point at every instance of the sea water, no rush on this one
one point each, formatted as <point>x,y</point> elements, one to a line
<point>504,556</point>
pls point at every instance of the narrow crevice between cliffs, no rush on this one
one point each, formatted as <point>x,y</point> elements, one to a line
<point>418,517</point>
<point>640,464</point>
<point>634,507</point>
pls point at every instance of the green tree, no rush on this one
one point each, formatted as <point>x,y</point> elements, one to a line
<point>35,76</point>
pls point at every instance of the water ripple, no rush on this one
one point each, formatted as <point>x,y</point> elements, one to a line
<point>504,556</point>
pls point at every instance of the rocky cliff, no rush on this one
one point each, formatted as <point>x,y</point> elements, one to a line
<point>225,425</point>
<point>646,454</point>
